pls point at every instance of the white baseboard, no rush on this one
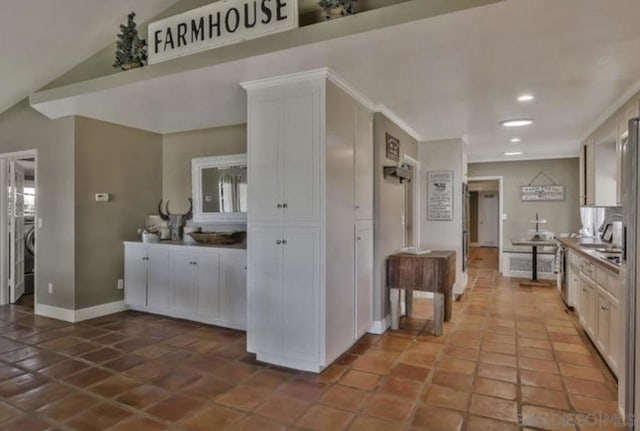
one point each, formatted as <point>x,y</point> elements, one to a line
<point>422,295</point>
<point>100,310</point>
<point>380,326</point>
<point>75,316</point>
<point>57,313</point>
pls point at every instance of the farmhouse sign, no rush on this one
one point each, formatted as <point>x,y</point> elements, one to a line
<point>221,23</point>
<point>542,193</point>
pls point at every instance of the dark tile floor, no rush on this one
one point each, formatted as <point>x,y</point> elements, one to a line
<point>510,354</point>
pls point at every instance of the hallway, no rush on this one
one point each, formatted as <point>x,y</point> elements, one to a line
<point>509,352</point>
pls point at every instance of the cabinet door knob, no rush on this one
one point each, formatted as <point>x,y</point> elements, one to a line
<point>359,238</point>
<point>357,207</point>
<point>278,242</point>
<point>603,308</point>
<point>285,205</point>
<point>279,205</point>
<point>284,241</point>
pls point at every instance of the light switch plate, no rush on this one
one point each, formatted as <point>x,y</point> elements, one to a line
<point>103,197</point>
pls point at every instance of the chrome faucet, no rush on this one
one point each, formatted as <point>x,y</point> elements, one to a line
<point>610,218</point>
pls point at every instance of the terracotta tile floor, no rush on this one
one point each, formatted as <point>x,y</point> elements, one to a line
<point>497,361</point>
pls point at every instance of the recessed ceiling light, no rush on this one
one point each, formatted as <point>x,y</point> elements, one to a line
<point>526,98</point>
<point>515,140</point>
<point>517,123</point>
<point>513,153</point>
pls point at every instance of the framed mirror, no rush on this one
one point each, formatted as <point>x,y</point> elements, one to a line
<point>219,187</point>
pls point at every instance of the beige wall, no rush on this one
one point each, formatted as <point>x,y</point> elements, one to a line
<point>561,216</point>
<point>388,208</point>
<point>445,155</point>
<point>179,148</point>
<point>22,128</point>
<point>127,164</point>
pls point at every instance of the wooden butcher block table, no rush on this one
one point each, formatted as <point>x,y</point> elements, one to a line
<point>433,272</point>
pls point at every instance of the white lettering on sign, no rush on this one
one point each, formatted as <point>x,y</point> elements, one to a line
<point>542,193</point>
<point>218,24</point>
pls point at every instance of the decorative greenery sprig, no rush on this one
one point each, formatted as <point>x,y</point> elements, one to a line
<point>348,5</point>
<point>131,51</point>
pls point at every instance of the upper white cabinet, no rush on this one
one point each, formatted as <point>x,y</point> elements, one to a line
<point>205,284</point>
<point>601,159</point>
<point>284,171</point>
<point>265,125</point>
<point>363,164</point>
<point>310,153</point>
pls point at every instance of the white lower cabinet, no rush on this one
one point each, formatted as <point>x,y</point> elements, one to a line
<point>283,317</point>
<point>204,284</point>
<point>600,315</point>
<point>363,277</point>
<point>588,305</point>
<point>147,277</point>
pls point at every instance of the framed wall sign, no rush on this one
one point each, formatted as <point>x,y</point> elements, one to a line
<point>393,148</point>
<point>440,195</point>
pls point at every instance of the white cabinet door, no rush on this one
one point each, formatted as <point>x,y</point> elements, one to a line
<point>185,294</point>
<point>301,293</point>
<point>363,165</point>
<point>363,277</point>
<point>301,152</point>
<point>264,293</point>
<point>602,322</point>
<point>158,280</point>
<point>207,270</point>
<point>135,276</point>
<point>234,295</point>
<point>265,167</point>
<point>615,335</point>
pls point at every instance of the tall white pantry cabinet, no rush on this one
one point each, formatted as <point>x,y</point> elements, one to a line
<point>310,227</point>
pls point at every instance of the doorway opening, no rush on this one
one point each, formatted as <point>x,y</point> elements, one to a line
<point>485,223</point>
<point>18,231</point>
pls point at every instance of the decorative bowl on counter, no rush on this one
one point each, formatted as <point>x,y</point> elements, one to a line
<point>218,238</point>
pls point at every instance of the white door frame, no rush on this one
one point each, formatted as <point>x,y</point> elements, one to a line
<point>499,179</point>
<point>4,225</point>
<point>416,198</point>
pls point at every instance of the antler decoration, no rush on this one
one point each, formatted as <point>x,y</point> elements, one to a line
<point>166,214</point>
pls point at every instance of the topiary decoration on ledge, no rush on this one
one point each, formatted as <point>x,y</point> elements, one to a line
<point>131,51</point>
<point>334,8</point>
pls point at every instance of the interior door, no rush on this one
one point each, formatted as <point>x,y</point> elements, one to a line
<point>16,231</point>
<point>488,219</point>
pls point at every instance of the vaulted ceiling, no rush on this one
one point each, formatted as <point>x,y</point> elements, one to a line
<point>40,40</point>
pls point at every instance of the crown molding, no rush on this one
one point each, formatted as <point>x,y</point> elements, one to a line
<point>382,109</point>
